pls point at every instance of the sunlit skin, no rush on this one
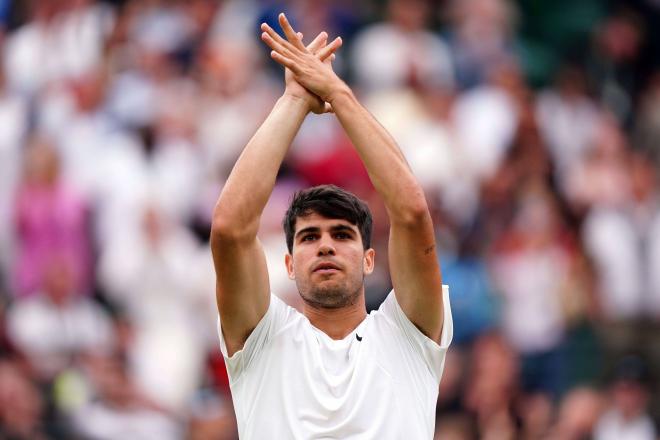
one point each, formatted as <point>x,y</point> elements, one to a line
<point>329,263</point>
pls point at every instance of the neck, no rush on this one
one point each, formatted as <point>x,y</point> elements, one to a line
<point>336,323</point>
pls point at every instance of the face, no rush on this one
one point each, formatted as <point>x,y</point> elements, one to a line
<point>328,261</point>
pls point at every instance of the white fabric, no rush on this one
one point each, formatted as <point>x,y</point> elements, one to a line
<point>49,335</point>
<point>419,53</point>
<point>625,255</point>
<point>613,426</point>
<point>292,381</point>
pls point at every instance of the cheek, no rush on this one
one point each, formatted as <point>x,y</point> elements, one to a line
<point>300,260</point>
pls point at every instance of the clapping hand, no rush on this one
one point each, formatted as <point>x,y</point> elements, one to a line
<point>308,73</point>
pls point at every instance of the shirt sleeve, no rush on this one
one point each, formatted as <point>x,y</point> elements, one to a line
<point>432,353</point>
<point>275,318</point>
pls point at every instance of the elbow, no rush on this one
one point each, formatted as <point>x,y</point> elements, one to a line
<point>413,212</point>
<point>227,228</point>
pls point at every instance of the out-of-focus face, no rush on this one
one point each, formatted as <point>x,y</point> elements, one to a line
<point>328,261</point>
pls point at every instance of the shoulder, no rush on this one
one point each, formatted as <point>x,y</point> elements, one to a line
<point>391,315</point>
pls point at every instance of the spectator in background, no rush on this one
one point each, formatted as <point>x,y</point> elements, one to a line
<point>119,410</point>
<point>623,241</point>
<point>474,303</point>
<point>568,120</point>
<point>485,120</point>
<point>13,128</point>
<point>600,178</point>
<point>626,417</point>
<point>51,220</point>
<point>492,387</point>
<point>647,124</point>
<point>57,325</point>
<point>21,404</point>
<point>414,55</point>
<point>481,36</point>
<point>149,272</point>
<point>74,30</point>
<point>577,415</point>
<point>531,264</point>
<point>614,65</point>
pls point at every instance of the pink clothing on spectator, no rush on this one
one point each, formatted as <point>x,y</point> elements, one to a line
<point>51,223</point>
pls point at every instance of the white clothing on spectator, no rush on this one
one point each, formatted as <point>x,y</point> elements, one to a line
<point>49,334</point>
<point>613,426</point>
<point>568,126</point>
<point>485,120</point>
<point>530,282</point>
<point>13,126</point>
<point>419,55</point>
<point>65,46</point>
<point>626,256</point>
<point>105,422</point>
<point>154,282</point>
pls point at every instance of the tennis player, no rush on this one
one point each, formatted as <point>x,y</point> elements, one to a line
<point>332,371</point>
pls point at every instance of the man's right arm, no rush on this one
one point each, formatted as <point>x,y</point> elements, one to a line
<point>242,286</point>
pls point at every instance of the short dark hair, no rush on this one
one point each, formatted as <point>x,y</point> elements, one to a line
<point>328,201</point>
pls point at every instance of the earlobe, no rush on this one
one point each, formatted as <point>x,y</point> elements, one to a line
<point>288,261</point>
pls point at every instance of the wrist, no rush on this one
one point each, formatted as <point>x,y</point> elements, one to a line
<point>297,102</point>
<point>339,93</point>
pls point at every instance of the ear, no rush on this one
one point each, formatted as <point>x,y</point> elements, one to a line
<point>288,261</point>
<point>369,260</point>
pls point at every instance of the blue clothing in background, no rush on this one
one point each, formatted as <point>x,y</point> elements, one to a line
<point>473,300</point>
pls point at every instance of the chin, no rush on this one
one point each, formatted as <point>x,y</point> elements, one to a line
<point>330,295</point>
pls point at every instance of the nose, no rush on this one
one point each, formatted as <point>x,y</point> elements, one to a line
<point>325,248</point>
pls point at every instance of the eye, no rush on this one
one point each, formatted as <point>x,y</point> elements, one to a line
<point>308,237</point>
<point>342,236</point>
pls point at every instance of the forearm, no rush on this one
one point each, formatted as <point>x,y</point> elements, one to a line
<point>252,179</point>
<point>387,168</point>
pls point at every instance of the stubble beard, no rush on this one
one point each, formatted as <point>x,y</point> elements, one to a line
<point>331,295</point>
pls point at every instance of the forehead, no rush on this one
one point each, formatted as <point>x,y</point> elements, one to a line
<point>315,220</point>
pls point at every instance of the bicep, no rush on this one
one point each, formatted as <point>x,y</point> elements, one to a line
<point>242,288</point>
<point>415,273</point>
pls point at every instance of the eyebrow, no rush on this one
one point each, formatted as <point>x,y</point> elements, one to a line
<point>316,230</point>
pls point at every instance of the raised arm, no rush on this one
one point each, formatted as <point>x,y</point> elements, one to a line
<point>242,286</point>
<point>412,255</point>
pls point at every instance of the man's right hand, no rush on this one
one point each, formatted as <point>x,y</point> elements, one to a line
<point>293,87</point>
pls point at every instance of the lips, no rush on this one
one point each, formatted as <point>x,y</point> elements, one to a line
<point>325,266</point>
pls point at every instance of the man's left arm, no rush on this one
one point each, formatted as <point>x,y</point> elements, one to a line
<point>414,266</point>
<point>413,261</point>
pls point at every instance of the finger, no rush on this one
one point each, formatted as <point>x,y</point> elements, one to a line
<point>289,32</point>
<point>284,61</point>
<point>329,49</point>
<point>318,42</point>
<point>275,45</point>
<point>277,38</point>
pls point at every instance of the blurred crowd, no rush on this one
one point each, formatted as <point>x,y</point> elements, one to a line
<point>533,126</point>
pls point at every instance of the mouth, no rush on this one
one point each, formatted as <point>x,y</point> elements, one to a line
<point>326,268</point>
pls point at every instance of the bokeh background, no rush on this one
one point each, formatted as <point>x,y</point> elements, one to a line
<point>533,126</point>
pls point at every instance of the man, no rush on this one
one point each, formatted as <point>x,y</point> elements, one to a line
<point>332,371</point>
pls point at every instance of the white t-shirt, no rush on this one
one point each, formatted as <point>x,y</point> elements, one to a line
<point>292,381</point>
